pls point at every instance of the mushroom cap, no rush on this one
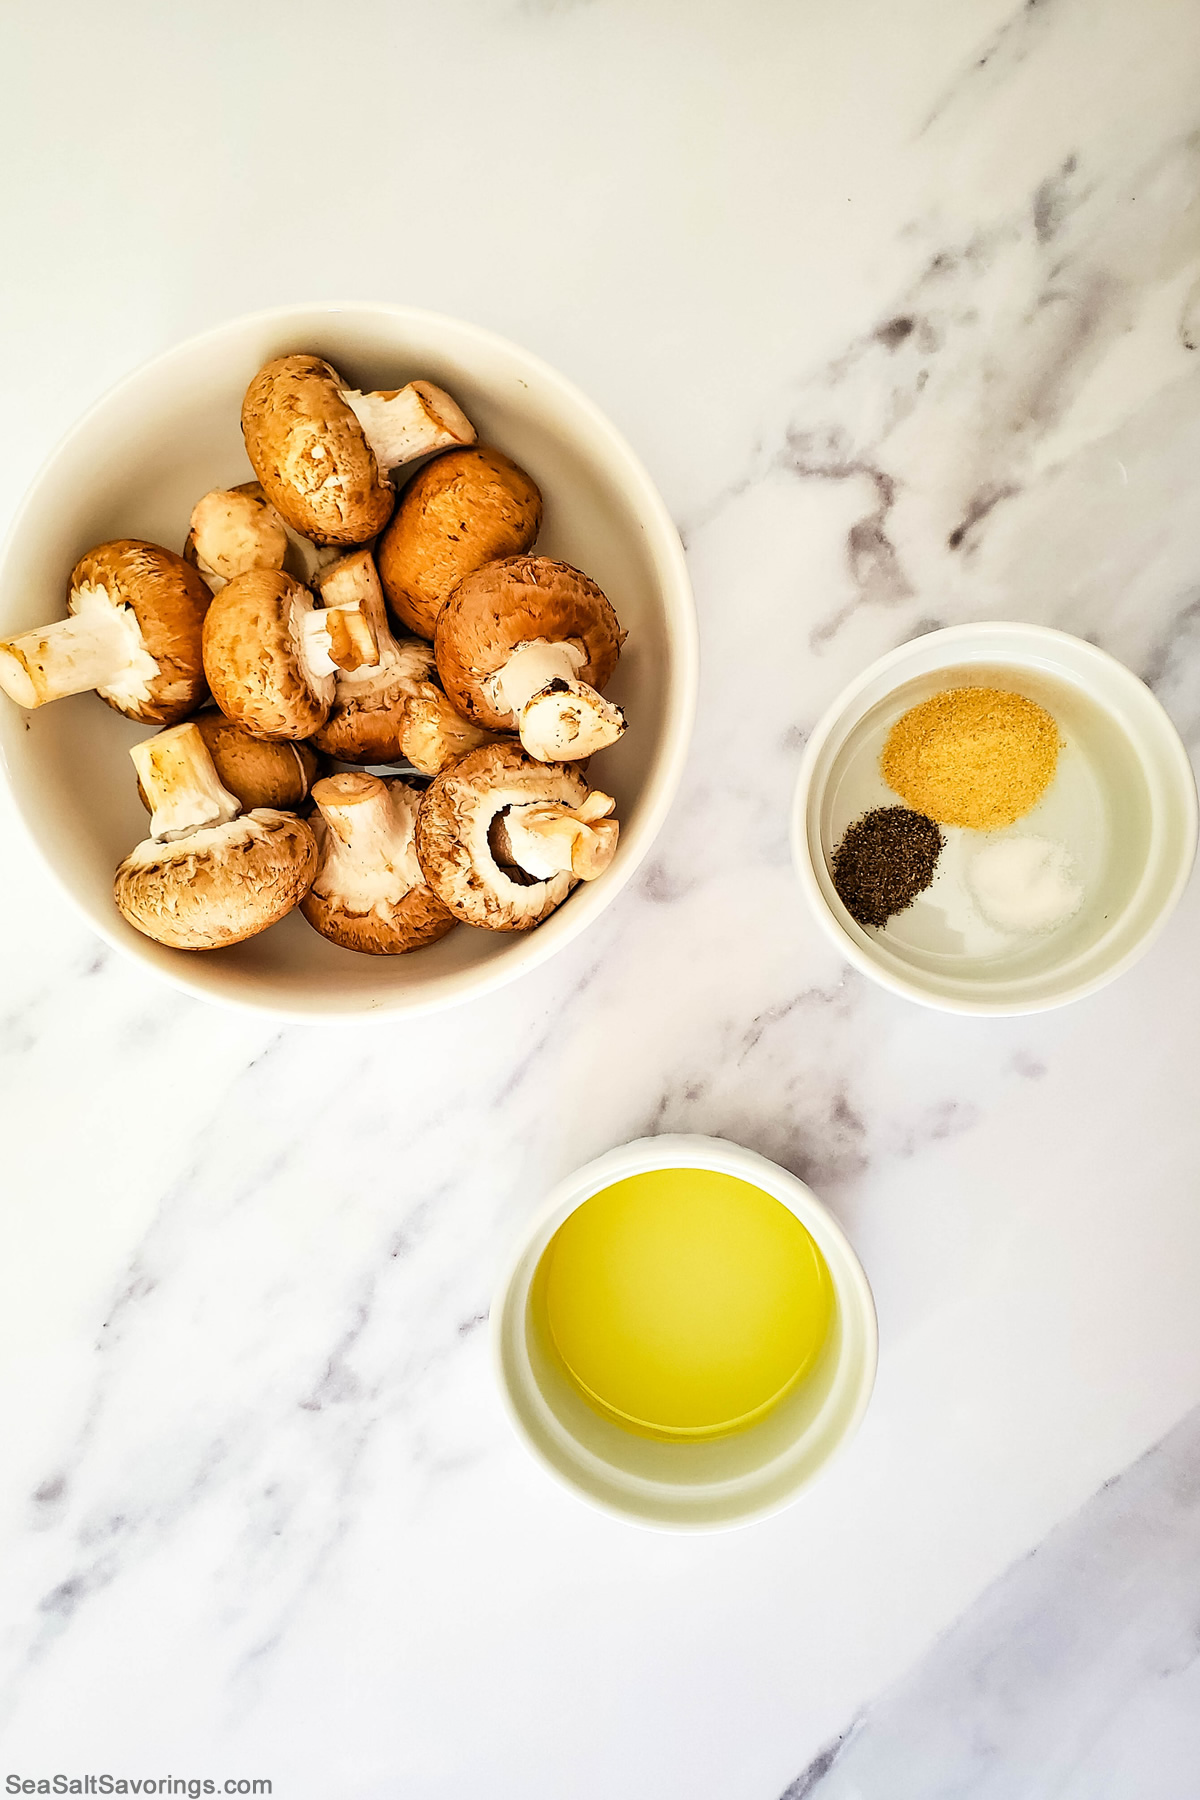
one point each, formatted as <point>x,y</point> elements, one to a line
<point>453,829</point>
<point>240,529</point>
<point>169,600</point>
<point>465,508</point>
<point>219,885</point>
<point>494,611</point>
<point>370,709</point>
<point>257,771</point>
<point>311,455</point>
<point>379,904</point>
<point>412,923</point>
<point>252,657</point>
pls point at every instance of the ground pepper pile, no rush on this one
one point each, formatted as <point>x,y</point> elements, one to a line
<point>884,861</point>
<point>974,756</point>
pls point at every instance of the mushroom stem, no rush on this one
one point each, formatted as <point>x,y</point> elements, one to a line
<point>339,637</point>
<point>532,667</point>
<point>181,785</point>
<point>351,587</point>
<point>369,855</point>
<point>568,720</point>
<point>401,424</point>
<point>354,581</point>
<point>558,718</point>
<point>435,735</point>
<point>546,838</point>
<point>99,646</point>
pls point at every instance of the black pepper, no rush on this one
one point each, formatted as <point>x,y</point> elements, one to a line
<point>884,861</point>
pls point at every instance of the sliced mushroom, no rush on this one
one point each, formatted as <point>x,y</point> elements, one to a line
<point>233,530</point>
<point>464,509</point>
<point>310,453</point>
<point>369,893</point>
<point>503,839</point>
<point>401,424</point>
<point>256,771</point>
<point>272,656</point>
<point>208,876</point>
<point>134,635</point>
<point>393,710</point>
<point>523,645</point>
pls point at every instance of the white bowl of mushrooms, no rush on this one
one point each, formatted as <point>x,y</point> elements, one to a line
<point>399,655</point>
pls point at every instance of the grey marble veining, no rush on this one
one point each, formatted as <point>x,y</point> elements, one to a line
<point>1076,1676</point>
<point>899,306</point>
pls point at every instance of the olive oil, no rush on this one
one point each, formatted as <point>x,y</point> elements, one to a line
<point>684,1303</point>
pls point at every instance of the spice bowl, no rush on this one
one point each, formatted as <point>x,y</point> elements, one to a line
<point>697,1485</point>
<point>1115,827</point>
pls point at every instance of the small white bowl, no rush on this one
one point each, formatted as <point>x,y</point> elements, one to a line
<point>1124,800</point>
<point>136,464</point>
<point>686,1486</point>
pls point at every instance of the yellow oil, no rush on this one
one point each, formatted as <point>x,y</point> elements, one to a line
<point>684,1303</point>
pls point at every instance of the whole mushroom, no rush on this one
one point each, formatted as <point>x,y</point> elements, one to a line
<point>272,656</point>
<point>369,893</point>
<point>392,710</point>
<point>523,645</point>
<point>234,530</point>
<point>322,450</point>
<point>464,509</point>
<point>503,839</point>
<point>256,771</point>
<point>208,875</point>
<point>237,529</point>
<point>134,635</point>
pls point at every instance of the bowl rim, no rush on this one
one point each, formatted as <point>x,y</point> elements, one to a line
<point>1179,770</point>
<point>669,1150</point>
<point>685,644</point>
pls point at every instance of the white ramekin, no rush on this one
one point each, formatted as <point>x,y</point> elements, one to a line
<point>1150,743</point>
<point>681,1486</point>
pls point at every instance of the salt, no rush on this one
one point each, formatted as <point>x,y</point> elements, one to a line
<point>1024,884</point>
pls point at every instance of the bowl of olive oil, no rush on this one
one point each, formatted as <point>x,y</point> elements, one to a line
<point>685,1337</point>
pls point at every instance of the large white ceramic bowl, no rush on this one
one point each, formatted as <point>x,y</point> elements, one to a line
<point>686,1486</point>
<point>1123,803</point>
<point>136,464</point>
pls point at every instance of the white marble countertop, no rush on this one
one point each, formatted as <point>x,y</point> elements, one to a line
<point>889,297</point>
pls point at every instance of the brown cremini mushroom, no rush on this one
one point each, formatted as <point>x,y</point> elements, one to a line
<point>233,530</point>
<point>134,635</point>
<point>308,450</point>
<point>369,893</point>
<point>524,645</point>
<point>272,656</point>
<point>392,710</point>
<point>464,509</point>
<point>239,526</point>
<point>208,875</point>
<point>322,450</point>
<point>503,839</point>
<point>256,771</point>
